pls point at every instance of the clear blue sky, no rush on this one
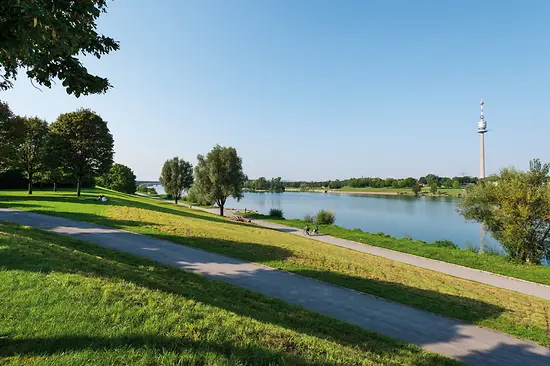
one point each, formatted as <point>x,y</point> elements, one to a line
<point>320,89</point>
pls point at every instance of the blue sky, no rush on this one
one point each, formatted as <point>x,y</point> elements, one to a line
<point>320,89</point>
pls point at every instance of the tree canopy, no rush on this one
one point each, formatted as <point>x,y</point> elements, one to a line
<point>515,207</point>
<point>220,175</point>
<point>119,178</point>
<point>46,39</point>
<point>176,176</point>
<point>85,144</point>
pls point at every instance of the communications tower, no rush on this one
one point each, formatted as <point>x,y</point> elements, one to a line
<point>482,129</point>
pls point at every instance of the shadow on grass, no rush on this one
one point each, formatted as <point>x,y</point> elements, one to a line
<point>228,351</point>
<point>78,257</point>
<point>115,199</point>
<point>68,255</point>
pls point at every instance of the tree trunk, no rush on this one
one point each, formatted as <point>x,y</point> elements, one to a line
<point>221,209</point>
<point>30,183</point>
<point>54,186</point>
<point>78,187</point>
<point>176,199</point>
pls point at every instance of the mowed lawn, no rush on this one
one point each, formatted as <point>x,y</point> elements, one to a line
<point>507,311</point>
<point>64,301</point>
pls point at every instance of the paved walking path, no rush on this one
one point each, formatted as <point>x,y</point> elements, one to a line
<point>493,279</point>
<point>469,343</point>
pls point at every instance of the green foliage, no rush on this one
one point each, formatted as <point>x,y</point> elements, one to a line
<point>142,188</point>
<point>444,243</point>
<point>515,207</point>
<point>456,184</point>
<point>220,175</point>
<point>119,178</point>
<point>309,218</point>
<point>262,184</point>
<point>84,144</point>
<point>416,189</point>
<point>194,196</point>
<point>176,176</point>
<point>152,190</point>
<point>47,39</point>
<point>447,183</point>
<point>276,212</point>
<point>25,141</point>
<point>433,187</point>
<point>324,217</point>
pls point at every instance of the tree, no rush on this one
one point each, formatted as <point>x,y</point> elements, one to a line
<point>119,178</point>
<point>456,184</point>
<point>7,134</point>
<point>23,143</point>
<point>276,185</point>
<point>220,175</point>
<point>30,147</point>
<point>53,172</point>
<point>176,176</point>
<point>85,144</point>
<point>416,189</point>
<point>47,37</point>
<point>431,178</point>
<point>515,207</point>
<point>422,180</point>
<point>447,183</point>
<point>433,187</point>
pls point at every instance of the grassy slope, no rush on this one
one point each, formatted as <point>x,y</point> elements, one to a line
<point>507,311</point>
<point>65,301</point>
<point>490,262</point>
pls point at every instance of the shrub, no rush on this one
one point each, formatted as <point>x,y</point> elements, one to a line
<point>142,188</point>
<point>308,218</point>
<point>276,212</point>
<point>325,217</point>
<point>151,191</point>
<point>444,243</point>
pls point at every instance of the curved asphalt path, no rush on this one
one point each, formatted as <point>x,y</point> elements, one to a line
<point>466,342</point>
<point>488,278</point>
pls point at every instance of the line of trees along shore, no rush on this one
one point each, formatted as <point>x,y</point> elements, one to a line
<point>367,182</point>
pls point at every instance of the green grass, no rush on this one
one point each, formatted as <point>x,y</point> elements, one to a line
<point>491,262</point>
<point>65,301</point>
<point>503,310</point>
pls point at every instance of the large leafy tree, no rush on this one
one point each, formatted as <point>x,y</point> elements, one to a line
<point>176,176</point>
<point>220,175</point>
<point>30,145</point>
<point>515,207</point>
<point>85,144</point>
<point>119,178</point>
<point>7,133</point>
<point>46,37</point>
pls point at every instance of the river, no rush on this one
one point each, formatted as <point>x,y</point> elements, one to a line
<point>422,218</point>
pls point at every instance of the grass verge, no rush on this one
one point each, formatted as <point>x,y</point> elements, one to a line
<point>503,310</point>
<point>490,262</point>
<point>66,301</point>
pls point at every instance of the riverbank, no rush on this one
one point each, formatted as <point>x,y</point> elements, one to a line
<point>442,192</point>
<point>441,250</point>
<point>520,315</point>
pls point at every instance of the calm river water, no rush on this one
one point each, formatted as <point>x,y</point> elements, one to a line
<point>423,218</point>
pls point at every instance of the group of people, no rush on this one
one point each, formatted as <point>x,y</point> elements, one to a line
<point>102,198</point>
<point>315,230</point>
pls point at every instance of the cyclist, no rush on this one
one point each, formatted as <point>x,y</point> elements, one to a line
<point>307,230</point>
<point>316,230</point>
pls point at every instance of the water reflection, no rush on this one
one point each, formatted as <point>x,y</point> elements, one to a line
<point>423,218</point>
